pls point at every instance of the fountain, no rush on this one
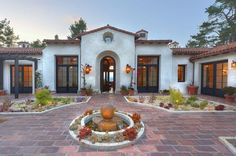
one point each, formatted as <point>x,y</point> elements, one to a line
<point>107,128</point>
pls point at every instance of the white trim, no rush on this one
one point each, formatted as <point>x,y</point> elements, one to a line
<point>227,144</point>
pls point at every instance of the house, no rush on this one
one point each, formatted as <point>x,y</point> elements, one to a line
<point>109,51</point>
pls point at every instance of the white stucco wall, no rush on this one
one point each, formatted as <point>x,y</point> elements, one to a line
<point>49,64</point>
<point>231,72</point>
<point>6,72</point>
<point>165,62</point>
<point>122,49</point>
<point>181,60</point>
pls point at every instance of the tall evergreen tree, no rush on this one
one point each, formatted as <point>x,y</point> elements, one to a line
<point>7,35</point>
<point>37,44</point>
<point>78,27</point>
<point>220,27</point>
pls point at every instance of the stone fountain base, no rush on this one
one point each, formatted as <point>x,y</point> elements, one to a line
<point>112,144</point>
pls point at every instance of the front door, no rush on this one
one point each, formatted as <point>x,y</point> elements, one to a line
<point>148,73</point>
<point>25,79</point>
<point>107,74</point>
<point>214,78</point>
<point>67,74</point>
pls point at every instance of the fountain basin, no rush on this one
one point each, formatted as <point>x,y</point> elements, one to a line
<point>107,145</point>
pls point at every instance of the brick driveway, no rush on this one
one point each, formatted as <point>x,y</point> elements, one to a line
<point>166,133</point>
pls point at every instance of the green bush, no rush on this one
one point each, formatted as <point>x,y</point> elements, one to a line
<point>195,105</point>
<point>191,99</point>
<point>203,104</point>
<point>43,96</point>
<point>176,97</point>
<point>229,90</point>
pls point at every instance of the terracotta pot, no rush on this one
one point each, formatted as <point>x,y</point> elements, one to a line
<point>131,92</point>
<point>124,93</point>
<point>2,92</point>
<point>83,92</point>
<point>192,90</point>
<point>229,98</point>
<point>107,112</point>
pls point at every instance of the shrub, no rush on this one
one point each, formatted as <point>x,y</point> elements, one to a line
<point>219,107</point>
<point>124,90</point>
<point>130,133</point>
<point>229,90</point>
<point>176,97</point>
<point>191,99</point>
<point>43,96</point>
<point>195,105</point>
<point>203,104</point>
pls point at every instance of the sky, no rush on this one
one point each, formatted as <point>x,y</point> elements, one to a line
<point>163,19</point>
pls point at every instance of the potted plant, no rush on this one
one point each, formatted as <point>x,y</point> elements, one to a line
<point>83,90</point>
<point>229,93</point>
<point>192,89</point>
<point>124,90</point>
<point>131,88</point>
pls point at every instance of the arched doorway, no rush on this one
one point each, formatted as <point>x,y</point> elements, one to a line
<point>108,74</point>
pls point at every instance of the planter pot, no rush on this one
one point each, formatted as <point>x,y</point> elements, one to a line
<point>124,93</point>
<point>83,92</point>
<point>2,92</point>
<point>192,90</point>
<point>131,92</point>
<point>229,98</point>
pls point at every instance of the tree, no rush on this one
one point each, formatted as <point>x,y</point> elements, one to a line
<point>38,44</point>
<point>78,27</point>
<point>7,35</point>
<point>220,28</point>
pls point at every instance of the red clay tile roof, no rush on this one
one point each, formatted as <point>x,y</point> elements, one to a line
<point>189,51</point>
<point>224,49</point>
<point>106,27</point>
<point>23,51</point>
<point>48,41</point>
<point>139,42</point>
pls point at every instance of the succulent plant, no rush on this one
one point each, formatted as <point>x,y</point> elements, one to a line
<point>161,104</point>
<point>88,112</point>
<point>219,107</point>
<point>73,127</point>
<point>136,117</point>
<point>130,133</point>
<point>84,132</point>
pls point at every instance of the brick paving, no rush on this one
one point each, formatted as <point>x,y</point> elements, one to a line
<point>167,134</point>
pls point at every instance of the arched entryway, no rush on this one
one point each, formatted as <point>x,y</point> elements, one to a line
<point>108,74</point>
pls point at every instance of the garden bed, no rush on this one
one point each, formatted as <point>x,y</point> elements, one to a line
<point>230,143</point>
<point>31,105</point>
<point>187,104</point>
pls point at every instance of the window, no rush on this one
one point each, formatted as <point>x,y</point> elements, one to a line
<point>181,73</point>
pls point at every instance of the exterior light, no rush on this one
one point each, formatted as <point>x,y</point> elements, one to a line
<point>233,64</point>
<point>128,68</point>
<point>87,69</point>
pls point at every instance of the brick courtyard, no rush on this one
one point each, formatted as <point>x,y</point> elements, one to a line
<point>167,134</point>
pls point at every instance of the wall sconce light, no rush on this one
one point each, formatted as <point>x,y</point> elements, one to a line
<point>129,69</point>
<point>233,64</point>
<point>87,69</point>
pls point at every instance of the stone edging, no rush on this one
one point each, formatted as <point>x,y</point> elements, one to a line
<point>174,111</point>
<point>224,141</point>
<point>45,111</point>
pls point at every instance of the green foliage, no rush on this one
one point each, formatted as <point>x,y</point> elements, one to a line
<point>229,90</point>
<point>7,35</point>
<point>220,27</point>
<point>195,105</point>
<point>43,96</point>
<point>38,79</point>
<point>38,44</point>
<point>203,104</point>
<point>77,28</point>
<point>176,97</point>
<point>191,99</point>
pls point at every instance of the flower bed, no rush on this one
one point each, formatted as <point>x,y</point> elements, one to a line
<point>185,104</point>
<point>33,106</point>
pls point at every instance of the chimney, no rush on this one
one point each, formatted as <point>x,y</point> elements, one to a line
<point>142,34</point>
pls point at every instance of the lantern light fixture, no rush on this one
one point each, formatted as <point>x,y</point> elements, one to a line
<point>129,68</point>
<point>233,64</point>
<point>87,69</point>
